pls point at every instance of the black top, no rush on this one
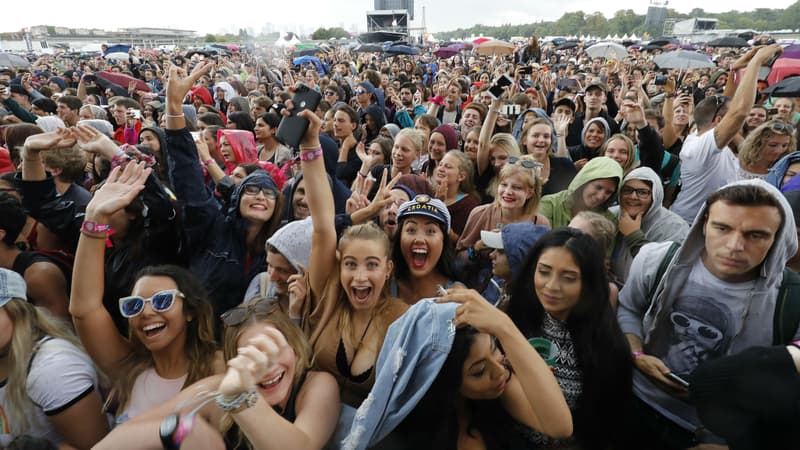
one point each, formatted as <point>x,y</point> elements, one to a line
<point>231,437</point>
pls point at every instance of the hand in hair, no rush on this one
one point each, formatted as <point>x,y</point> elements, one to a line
<point>476,312</point>
<point>253,362</point>
<point>119,190</point>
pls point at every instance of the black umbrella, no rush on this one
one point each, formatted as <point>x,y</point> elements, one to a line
<point>728,41</point>
<point>13,61</point>
<point>402,50</point>
<point>788,87</point>
<point>567,45</point>
<point>369,48</point>
<point>662,41</point>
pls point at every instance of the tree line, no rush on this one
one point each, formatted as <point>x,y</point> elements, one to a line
<point>627,21</point>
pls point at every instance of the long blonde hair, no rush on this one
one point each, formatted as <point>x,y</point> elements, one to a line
<point>304,355</point>
<point>30,324</point>
<point>367,232</point>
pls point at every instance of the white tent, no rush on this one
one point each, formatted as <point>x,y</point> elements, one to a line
<point>288,40</point>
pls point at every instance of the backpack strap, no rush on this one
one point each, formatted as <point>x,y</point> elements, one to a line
<point>662,269</point>
<point>787,309</point>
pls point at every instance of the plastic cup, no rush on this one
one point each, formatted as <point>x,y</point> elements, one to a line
<point>546,348</point>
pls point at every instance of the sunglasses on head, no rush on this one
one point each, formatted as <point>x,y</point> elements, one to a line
<point>525,163</point>
<point>781,126</point>
<point>239,314</point>
<point>160,301</point>
<point>252,189</point>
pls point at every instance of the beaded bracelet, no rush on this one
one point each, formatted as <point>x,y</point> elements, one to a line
<point>247,398</point>
<point>310,155</point>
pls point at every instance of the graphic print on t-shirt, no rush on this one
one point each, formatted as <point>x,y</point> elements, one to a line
<point>701,329</point>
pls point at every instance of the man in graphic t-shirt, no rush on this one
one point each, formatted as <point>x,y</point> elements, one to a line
<point>717,297</point>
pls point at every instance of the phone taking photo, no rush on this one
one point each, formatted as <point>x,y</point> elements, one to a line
<point>496,91</point>
<point>292,128</point>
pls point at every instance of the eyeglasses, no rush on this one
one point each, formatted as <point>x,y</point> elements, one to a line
<point>781,126</point>
<point>639,193</point>
<point>330,93</point>
<point>160,301</point>
<point>360,91</point>
<point>252,189</point>
<point>239,314</point>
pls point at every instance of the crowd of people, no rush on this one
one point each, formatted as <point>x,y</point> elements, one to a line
<point>600,255</point>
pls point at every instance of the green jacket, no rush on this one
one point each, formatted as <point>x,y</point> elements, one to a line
<point>558,207</point>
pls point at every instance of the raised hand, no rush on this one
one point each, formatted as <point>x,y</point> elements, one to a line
<point>93,141</point>
<point>119,190</point>
<point>179,83</point>
<point>61,138</point>
<point>253,362</point>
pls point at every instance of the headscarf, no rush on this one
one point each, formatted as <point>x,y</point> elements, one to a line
<point>243,144</point>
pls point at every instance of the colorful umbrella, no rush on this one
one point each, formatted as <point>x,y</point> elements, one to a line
<point>123,80</point>
<point>495,47</point>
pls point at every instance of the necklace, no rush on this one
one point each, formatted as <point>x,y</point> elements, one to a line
<point>360,341</point>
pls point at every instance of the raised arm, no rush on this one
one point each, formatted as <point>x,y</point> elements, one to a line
<point>668,134</point>
<point>486,135</point>
<point>745,95</point>
<point>92,321</point>
<point>320,203</point>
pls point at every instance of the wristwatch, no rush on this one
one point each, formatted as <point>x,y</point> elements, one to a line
<point>166,431</point>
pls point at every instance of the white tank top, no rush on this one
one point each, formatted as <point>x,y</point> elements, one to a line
<point>150,390</point>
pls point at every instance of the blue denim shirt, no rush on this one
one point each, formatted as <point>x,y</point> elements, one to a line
<point>414,350</point>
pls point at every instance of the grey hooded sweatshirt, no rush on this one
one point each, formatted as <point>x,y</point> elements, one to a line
<point>688,322</point>
<point>658,225</point>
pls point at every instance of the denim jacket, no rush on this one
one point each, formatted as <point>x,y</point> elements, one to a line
<point>216,238</point>
<point>414,350</point>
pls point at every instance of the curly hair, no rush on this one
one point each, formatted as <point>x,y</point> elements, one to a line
<point>751,150</point>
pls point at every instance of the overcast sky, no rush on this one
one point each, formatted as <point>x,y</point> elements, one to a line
<point>214,17</point>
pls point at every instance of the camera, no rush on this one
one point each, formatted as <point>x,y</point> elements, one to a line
<point>660,80</point>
